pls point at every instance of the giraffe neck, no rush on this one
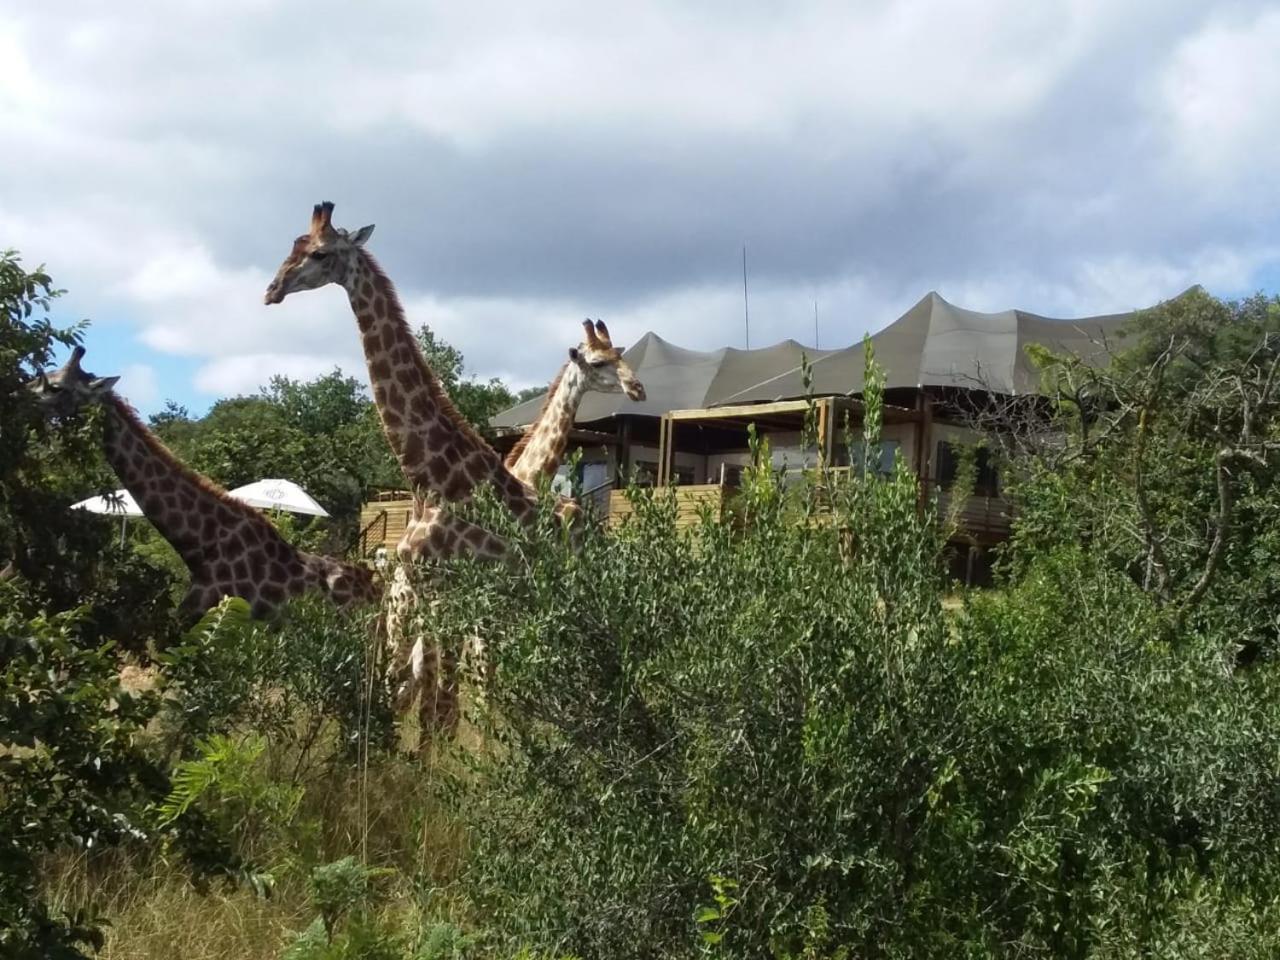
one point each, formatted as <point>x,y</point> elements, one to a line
<point>228,547</point>
<point>434,534</point>
<point>542,448</point>
<point>438,450</point>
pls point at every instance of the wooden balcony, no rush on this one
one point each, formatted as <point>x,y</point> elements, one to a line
<point>383,521</point>
<point>691,500</point>
<point>982,519</point>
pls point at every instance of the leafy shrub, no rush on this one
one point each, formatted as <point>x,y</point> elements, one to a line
<point>73,774</point>
<point>285,680</point>
<point>345,893</point>
<point>766,738</point>
<point>69,773</point>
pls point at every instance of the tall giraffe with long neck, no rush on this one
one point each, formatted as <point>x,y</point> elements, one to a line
<point>440,454</point>
<point>230,548</point>
<point>594,365</point>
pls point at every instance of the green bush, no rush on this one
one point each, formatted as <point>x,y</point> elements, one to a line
<point>74,775</point>
<point>286,680</point>
<point>767,739</point>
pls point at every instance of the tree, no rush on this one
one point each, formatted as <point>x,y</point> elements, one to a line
<point>323,405</point>
<point>322,434</point>
<point>528,393</point>
<point>27,342</point>
<point>1166,459</point>
<point>476,400</point>
<point>72,770</point>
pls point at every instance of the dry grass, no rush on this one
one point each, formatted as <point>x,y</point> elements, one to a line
<point>387,816</point>
<point>166,918</point>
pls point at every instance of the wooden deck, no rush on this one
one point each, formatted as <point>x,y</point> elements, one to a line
<point>382,524</point>
<point>691,500</point>
<point>983,519</point>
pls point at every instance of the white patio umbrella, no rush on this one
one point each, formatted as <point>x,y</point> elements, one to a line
<point>279,495</point>
<point>118,504</point>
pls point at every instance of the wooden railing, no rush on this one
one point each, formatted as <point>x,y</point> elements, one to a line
<point>691,500</point>
<point>382,524</point>
<point>372,535</point>
<point>985,519</point>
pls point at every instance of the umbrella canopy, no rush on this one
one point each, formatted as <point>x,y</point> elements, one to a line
<point>279,495</point>
<point>118,504</point>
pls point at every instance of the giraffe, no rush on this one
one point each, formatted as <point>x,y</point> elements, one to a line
<point>439,453</point>
<point>593,365</point>
<point>442,456</point>
<point>230,548</point>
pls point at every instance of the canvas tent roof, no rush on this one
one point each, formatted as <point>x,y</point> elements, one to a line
<point>937,344</point>
<point>933,344</point>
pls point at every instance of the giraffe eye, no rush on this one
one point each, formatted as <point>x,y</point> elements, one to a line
<point>318,254</point>
<point>599,364</point>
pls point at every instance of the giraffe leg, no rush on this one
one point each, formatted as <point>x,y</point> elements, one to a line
<point>447,697</point>
<point>399,616</point>
<point>426,676</point>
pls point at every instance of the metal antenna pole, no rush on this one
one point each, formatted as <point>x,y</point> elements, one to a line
<point>746,307</point>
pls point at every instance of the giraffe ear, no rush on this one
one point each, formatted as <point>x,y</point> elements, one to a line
<point>362,235</point>
<point>574,355</point>
<point>102,384</point>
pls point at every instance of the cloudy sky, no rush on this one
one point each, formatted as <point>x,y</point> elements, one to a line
<point>529,164</point>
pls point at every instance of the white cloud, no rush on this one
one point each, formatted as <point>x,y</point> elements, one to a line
<point>1219,95</point>
<point>534,165</point>
<point>245,373</point>
<point>762,71</point>
<point>138,382</point>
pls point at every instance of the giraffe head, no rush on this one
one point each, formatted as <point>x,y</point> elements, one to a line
<point>67,390</point>
<point>346,584</point>
<point>322,255</point>
<point>602,365</point>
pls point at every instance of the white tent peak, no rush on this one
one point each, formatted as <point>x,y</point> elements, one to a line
<point>278,494</point>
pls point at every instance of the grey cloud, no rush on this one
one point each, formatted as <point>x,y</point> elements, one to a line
<point>859,183</point>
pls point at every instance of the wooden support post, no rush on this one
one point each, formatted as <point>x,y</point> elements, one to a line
<point>924,440</point>
<point>824,424</point>
<point>622,456</point>
<point>666,455</point>
<point>925,421</point>
<point>670,467</point>
<point>663,423</point>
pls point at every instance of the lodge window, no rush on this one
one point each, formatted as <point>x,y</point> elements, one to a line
<point>647,473</point>
<point>844,456</point>
<point>948,461</point>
